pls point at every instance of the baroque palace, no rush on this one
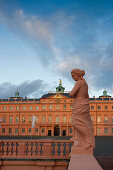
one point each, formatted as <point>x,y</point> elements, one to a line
<point>53,115</point>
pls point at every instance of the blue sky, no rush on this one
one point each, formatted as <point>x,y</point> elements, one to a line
<point>41,41</point>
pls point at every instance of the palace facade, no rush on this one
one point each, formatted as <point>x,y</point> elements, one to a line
<point>53,115</point>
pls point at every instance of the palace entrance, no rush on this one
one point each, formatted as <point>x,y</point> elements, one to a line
<point>56,130</point>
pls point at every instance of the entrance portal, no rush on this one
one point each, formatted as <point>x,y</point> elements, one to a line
<point>56,130</point>
<point>49,132</point>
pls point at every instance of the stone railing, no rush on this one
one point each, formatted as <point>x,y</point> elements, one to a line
<point>35,149</point>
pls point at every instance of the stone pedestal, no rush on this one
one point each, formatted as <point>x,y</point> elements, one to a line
<point>83,159</point>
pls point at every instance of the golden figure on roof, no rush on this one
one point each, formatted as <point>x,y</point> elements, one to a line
<point>60,82</point>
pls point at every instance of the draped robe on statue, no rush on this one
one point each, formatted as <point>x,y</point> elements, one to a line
<point>83,131</point>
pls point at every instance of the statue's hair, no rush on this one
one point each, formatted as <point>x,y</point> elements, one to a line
<point>78,72</point>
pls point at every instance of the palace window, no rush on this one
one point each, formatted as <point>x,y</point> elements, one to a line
<point>57,119</point>
<point>43,119</point>
<point>70,119</point>
<point>70,130</point>
<point>57,106</point>
<point>23,120</point>
<point>10,119</point>
<point>4,119</point>
<point>36,130</point>
<point>17,119</point>
<point>30,108</point>
<point>98,130</point>
<point>30,119</point>
<point>105,130</point>
<point>64,119</point>
<point>37,107</point>
<point>98,119</point>
<point>43,130</point>
<point>92,107</point>
<point>64,106</point>
<point>112,119</point>
<point>36,118</point>
<point>106,107</point>
<point>16,130</point>
<point>50,119</point>
<point>4,107</point>
<point>11,107</point>
<point>99,107</point>
<point>24,107</point>
<point>50,107</point>
<point>112,107</point>
<point>106,119</point>
<point>10,130</point>
<point>112,130</point>
<point>43,107</point>
<point>64,101</point>
<point>71,106</point>
<point>17,108</point>
<point>3,130</point>
<point>23,130</point>
<point>29,130</point>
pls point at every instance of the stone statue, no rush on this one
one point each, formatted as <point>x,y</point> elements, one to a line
<point>83,132</point>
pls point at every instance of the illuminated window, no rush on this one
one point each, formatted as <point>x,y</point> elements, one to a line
<point>23,119</point>
<point>23,130</point>
<point>3,130</point>
<point>98,119</point>
<point>4,119</point>
<point>16,130</point>
<point>106,107</point>
<point>37,107</point>
<point>64,101</point>
<point>4,107</point>
<point>98,130</point>
<point>105,130</point>
<point>10,119</point>
<point>64,106</point>
<point>30,119</point>
<point>50,119</point>
<point>17,119</point>
<point>30,108</point>
<point>106,119</point>
<point>17,108</point>
<point>43,119</point>
<point>50,107</point>
<point>24,107</point>
<point>57,106</point>
<point>11,107</point>
<point>64,119</point>
<point>57,119</point>
<point>43,107</point>
<point>36,130</point>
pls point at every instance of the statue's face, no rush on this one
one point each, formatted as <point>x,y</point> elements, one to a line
<point>74,76</point>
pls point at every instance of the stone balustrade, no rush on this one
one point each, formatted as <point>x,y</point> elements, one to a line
<point>35,149</point>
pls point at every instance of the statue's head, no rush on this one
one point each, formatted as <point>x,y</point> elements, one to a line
<point>77,74</point>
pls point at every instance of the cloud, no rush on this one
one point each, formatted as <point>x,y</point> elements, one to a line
<point>32,89</point>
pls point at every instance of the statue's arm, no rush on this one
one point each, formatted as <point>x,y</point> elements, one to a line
<point>75,89</point>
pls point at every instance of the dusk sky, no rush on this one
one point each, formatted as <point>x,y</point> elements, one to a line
<point>41,41</point>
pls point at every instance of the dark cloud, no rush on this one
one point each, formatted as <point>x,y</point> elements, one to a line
<point>32,89</point>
